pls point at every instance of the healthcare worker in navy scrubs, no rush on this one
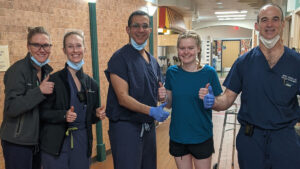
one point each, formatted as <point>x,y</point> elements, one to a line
<point>134,88</point>
<point>268,78</point>
<point>68,113</point>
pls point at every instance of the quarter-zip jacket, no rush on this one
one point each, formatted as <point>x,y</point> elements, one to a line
<point>54,108</point>
<point>22,98</point>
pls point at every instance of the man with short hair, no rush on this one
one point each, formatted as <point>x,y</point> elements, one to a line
<point>134,88</point>
<point>269,78</point>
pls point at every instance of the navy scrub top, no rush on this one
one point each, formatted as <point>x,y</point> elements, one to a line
<point>79,107</point>
<point>269,95</point>
<point>142,79</point>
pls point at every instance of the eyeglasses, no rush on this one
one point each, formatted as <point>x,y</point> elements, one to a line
<point>137,26</point>
<point>38,46</point>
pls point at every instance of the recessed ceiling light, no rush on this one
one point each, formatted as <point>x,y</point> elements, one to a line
<point>219,3</point>
<point>227,16</point>
<point>226,19</point>
<point>230,12</point>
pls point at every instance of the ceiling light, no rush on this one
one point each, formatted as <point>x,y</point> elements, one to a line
<point>226,19</point>
<point>230,12</point>
<point>227,12</point>
<point>149,8</point>
<point>227,16</point>
<point>219,3</point>
<point>152,1</point>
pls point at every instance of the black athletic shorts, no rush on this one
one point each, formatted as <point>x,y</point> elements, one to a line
<point>199,151</point>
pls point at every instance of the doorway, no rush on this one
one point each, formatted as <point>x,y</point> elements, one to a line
<point>230,52</point>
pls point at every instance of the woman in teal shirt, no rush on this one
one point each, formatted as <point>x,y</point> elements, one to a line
<point>191,135</point>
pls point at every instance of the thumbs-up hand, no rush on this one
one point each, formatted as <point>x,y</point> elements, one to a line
<point>46,87</point>
<point>158,112</point>
<point>162,93</point>
<point>207,95</point>
<point>71,115</point>
<point>100,112</point>
<point>203,91</point>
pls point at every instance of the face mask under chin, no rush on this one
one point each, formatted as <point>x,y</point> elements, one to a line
<point>269,43</point>
<point>137,46</point>
<point>75,66</point>
<point>39,64</point>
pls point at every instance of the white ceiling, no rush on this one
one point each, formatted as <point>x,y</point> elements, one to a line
<point>203,10</point>
<point>206,8</point>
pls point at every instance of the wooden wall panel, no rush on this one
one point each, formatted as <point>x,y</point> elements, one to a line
<point>297,30</point>
<point>286,32</point>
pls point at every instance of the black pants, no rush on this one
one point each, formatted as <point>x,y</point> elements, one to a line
<point>20,156</point>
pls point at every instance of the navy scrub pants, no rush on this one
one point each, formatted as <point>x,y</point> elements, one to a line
<point>131,147</point>
<point>20,156</point>
<point>69,158</point>
<point>268,149</point>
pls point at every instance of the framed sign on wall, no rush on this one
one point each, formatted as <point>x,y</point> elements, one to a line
<point>4,58</point>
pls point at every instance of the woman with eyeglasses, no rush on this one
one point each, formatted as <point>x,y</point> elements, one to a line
<point>26,86</point>
<point>68,113</point>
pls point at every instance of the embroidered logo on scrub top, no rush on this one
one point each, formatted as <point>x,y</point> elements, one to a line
<point>90,91</point>
<point>288,80</point>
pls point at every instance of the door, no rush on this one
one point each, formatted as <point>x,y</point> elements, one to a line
<point>230,52</point>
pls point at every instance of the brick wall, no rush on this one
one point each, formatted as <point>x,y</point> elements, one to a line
<point>59,16</point>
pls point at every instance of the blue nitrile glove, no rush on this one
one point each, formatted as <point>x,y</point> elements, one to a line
<point>209,99</point>
<point>158,112</point>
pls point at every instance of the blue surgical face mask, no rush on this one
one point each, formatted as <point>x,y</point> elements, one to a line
<point>38,63</point>
<point>75,66</point>
<point>137,46</point>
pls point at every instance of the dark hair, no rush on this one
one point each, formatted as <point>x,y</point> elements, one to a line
<point>72,33</point>
<point>35,30</point>
<point>194,35</point>
<point>137,13</point>
<point>270,4</point>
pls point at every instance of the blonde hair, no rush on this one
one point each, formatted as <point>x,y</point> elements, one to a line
<point>194,35</point>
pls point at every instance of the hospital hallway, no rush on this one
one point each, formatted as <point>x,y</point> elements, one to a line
<point>166,161</point>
